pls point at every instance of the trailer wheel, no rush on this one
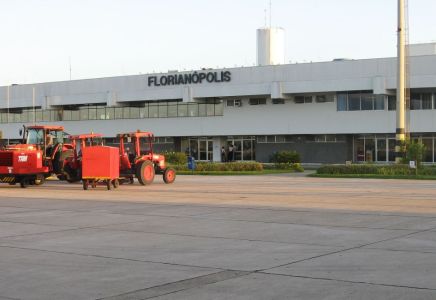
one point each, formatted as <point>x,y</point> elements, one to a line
<point>131,180</point>
<point>108,184</point>
<point>145,172</point>
<point>116,183</point>
<point>24,182</point>
<point>85,184</point>
<point>169,175</point>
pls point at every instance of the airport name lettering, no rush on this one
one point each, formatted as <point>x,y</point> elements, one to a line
<point>193,78</point>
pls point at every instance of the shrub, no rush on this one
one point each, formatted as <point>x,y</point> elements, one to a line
<point>231,166</point>
<point>290,157</point>
<point>176,158</point>
<point>287,166</point>
<point>388,170</point>
<point>415,151</point>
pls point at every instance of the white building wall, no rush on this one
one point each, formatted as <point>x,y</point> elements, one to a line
<point>284,80</point>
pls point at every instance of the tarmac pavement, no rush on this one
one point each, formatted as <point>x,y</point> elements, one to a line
<point>220,237</point>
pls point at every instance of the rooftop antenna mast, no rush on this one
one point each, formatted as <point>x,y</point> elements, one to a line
<point>69,62</point>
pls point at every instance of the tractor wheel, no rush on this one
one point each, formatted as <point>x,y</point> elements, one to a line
<point>145,172</point>
<point>85,184</point>
<point>40,179</point>
<point>71,174</point>
<point>116,183</point>
<point>24,182</point>
<point>169,175</point>
<point>108,184</point>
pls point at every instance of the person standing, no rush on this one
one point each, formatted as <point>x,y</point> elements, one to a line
<point>231,154</point>
<point>223,154</point>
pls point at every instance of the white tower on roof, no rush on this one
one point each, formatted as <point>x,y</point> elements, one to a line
<point>270,43</point>
<point>270,46</point>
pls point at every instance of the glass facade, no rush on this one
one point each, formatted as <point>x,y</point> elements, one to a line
<point>381,148</point>
<point>83,113</point>
<point>355,101</point>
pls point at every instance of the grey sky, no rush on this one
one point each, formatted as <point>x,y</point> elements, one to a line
<point>123,37</point>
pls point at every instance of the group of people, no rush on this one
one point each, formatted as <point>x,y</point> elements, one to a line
<point>228,155</point>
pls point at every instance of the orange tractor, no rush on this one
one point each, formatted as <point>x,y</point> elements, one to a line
<point>72,171</point>
<point>138,160</point>
<point>41,153</point>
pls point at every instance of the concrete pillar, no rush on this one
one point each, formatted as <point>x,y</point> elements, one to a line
<point>217,144</point>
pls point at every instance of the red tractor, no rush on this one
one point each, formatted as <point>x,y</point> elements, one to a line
<point>41,153</point>
<point>72,171</point>
<point>137,159</point>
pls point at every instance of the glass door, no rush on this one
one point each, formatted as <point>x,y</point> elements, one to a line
<point>243,148</point>
<point>201,149</point>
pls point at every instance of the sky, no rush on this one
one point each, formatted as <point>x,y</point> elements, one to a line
<point>101,38</point>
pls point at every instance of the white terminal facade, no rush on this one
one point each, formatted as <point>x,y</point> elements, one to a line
<point>330,112</point>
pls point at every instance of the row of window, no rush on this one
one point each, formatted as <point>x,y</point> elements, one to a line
<point>157,140</point>
<point>382,148</point>
<point>297,100</point>
<point>360,101</point>
<point>161,110</point>
<point>353,101</point>
<point>322,138</point>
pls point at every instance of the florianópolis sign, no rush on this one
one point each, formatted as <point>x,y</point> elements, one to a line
<point>190,78</point>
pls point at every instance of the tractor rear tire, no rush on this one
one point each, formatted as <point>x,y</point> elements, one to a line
<point>24,183</point>
<point>145,172</point>
<point>169,175</point>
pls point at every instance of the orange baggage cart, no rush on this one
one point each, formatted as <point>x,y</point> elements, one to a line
<point>100,164</point>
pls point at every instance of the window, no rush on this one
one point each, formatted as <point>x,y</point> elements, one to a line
<point>367,102</point>
<point>257,101</point>
<point>342,102</point>
<point>379,102</point>
<point>392,102</point>
<point>234,103</point>
<point>421,101</point>
<point>299,99</point>
<point>415,102</point>
<point>321,99</point>
<point>353,102</point>
<point>426,101</point>
<point>278,101</point>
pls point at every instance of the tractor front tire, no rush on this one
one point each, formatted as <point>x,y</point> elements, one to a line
<point>40,179</point>
<point>169,175</point>
<point>145,172</point>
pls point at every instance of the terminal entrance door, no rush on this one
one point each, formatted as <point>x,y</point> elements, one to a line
<point>243,147</point>
<point>201,149</point>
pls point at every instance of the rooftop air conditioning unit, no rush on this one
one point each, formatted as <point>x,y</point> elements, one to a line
<point>238,103</point>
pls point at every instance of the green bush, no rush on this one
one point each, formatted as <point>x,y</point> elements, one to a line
<point>288,166</point>
<point>388,170</point>
<point>283,157</point>
<point>231,166</point>
<point>176,158</point>
<point>415,151</point>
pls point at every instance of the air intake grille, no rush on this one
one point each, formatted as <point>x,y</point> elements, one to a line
<point>6,159</point>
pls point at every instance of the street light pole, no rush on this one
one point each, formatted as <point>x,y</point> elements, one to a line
<point>400,136</point>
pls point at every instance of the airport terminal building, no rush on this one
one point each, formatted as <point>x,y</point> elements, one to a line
<point>330,112</point>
